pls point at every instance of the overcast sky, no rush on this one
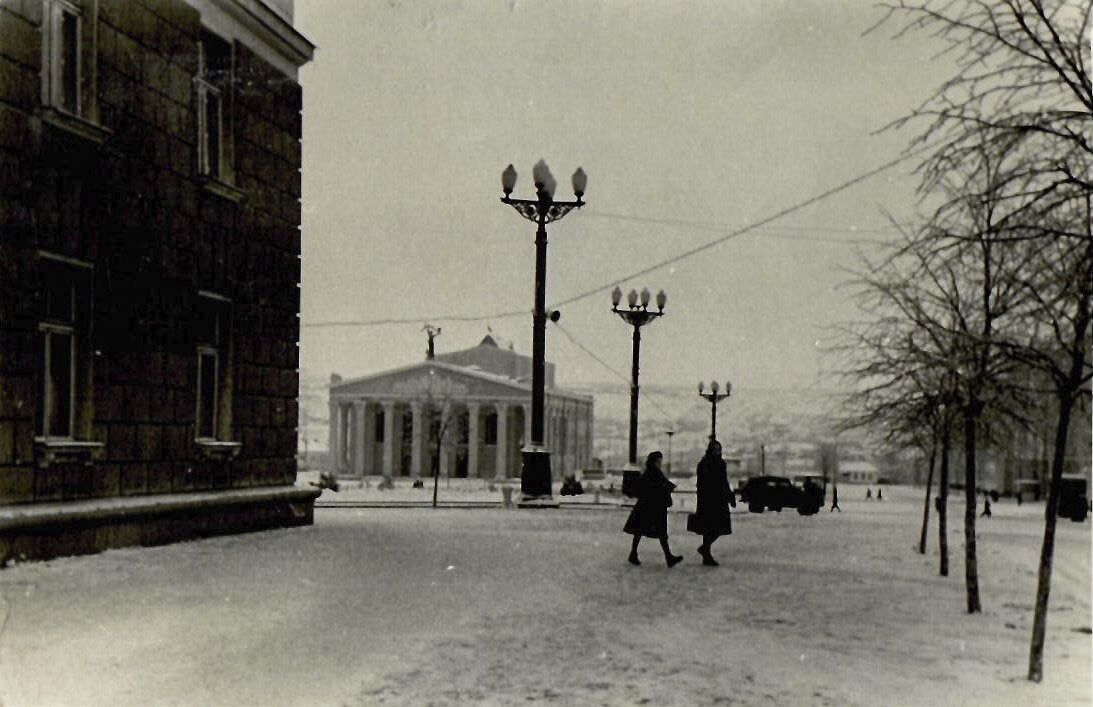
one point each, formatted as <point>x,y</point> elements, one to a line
<point>691,120</point>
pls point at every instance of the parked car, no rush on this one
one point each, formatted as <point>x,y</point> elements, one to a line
<point>813,495</point>
<point>778,492</point>
<point>1073,498</point>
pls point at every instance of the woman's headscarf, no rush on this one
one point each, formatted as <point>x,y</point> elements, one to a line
<point>652,459</point>
<point>713,449</point>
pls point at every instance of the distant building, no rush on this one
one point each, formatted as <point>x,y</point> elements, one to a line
<point>1028,456</point>
<point>858,472</point>
<point>1016,459</point>
<point>149,269</point>
<point>388,423</point>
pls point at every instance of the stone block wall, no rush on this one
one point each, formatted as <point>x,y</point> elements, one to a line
<point>134,207</point>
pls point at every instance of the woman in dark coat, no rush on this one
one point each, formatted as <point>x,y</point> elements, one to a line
<point>649,517</point>
<point>711,517</point>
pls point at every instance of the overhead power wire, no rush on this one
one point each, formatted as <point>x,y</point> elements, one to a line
<point>416,320</point>
<point>668,417</point>
<point>776,233</point>
<point>648,269</point>
<point>745,229</point>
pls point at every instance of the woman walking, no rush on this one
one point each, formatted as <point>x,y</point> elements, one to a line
<point>649,517</point>
<point>711,518</point>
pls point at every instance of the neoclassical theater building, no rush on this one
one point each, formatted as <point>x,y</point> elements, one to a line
<point>388,423</point>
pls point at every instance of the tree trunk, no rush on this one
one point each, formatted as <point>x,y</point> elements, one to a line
<point>971,573</point>
<point>926,503</point>
<point>1047,551</point>
<point>943,503</point>
<point>436,472</point>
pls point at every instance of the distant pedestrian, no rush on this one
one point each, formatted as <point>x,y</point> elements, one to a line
<point>1018,498</point>
<point>711,518</point>
<point>868,494</point>
<point>835,500</point>
<point>649,518</point>
<point>880,494</point>
<point>986,507</point>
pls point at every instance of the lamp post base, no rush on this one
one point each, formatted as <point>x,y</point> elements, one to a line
<point>631,478</point>
<point>535,479</point>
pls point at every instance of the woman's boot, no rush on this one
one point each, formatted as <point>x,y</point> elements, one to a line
<point>671,559</point>
<point>707,558</point>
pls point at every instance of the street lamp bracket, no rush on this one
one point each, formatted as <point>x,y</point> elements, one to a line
<point>549,211</point>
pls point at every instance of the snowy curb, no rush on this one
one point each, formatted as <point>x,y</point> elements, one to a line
<point>17,517</point>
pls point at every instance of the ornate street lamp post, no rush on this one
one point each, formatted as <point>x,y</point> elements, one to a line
<point>668,466</point>
<point>636,316</point>
<point>714,397</point>
<point>535,472</point>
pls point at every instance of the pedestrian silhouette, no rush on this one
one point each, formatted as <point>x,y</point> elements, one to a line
<point>835,500</point>
<point>649,517</point>
<point>869,494</point>
<point>711,518</point>
<point>880,494</point>
<point>986,507</point>
<point>1018,498</point>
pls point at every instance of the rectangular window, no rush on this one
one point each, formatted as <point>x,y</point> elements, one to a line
<point>61,57</point>
<point>212,134</point>
<point>210,328</point>
<point>65,298</point>
<point>213,80</point>
<point>69,68</point>
<point>207,386</point>
<point>59,377</point>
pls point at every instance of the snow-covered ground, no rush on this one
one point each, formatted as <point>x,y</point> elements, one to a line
<point>419,606</point>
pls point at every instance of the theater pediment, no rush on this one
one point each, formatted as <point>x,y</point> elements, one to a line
<point>436,380</point>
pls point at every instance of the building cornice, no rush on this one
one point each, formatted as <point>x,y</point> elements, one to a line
<point>340,391</point>
<point>256,19</point>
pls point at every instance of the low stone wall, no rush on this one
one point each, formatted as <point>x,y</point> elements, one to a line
<point>46,530</point>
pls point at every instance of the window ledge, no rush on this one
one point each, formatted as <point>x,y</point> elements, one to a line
<point>51,451</point>
<point>221,189</point>
<point>74,124</point>
<point>216,449</point>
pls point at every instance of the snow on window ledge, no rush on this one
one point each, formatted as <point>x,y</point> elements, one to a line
<point>217,449</point>
<point>221,188</point>
<point>51,450</point>
<point>74,124</point>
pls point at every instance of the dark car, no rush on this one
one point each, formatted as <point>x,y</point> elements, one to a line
<point>1073,498</point>
<point>813,492</point>
<point>778,492</point>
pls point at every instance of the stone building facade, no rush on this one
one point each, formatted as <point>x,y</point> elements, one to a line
<point>389,423</point>
<point>149,269</point>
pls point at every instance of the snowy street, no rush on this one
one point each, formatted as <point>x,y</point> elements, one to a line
<point>415,606</point>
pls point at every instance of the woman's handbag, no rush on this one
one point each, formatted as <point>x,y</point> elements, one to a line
<point>692,523</point>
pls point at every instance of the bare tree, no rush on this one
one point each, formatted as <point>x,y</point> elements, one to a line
<point>440,416</point>
<point>1058,342</point>
<point>1021,81</point>
<point>901,390</point>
